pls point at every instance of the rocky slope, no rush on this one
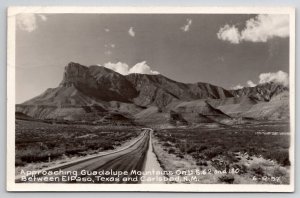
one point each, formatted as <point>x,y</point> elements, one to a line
<point>160,91</point>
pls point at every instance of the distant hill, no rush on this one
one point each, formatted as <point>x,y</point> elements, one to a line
<point>96,93</point>
<point>261,92</point>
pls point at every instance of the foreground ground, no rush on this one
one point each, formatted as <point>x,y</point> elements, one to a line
<point>240,154</point>
<point>248,153</point>
<point>39,145</point>
<point>119,166</point>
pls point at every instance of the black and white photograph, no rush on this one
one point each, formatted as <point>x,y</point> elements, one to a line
<point>151,99</point>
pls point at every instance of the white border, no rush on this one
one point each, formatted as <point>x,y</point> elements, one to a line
<point>12,186</point>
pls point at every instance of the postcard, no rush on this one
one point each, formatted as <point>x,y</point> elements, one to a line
<point>176,99</point>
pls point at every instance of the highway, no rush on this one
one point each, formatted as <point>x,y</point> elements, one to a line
<point>129,158</point>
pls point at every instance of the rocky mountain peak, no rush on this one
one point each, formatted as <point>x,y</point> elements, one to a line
<point>73,73</point>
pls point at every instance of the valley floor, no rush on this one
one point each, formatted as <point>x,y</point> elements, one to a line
<point>246,154</point>
<point>40,145</point>
<point>241,154</point>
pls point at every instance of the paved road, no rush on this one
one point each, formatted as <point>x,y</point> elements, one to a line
<point>128,159</point>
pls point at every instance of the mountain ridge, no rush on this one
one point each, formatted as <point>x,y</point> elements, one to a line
<point>96,91</point>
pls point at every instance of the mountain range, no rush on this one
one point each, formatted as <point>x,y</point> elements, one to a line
<point>100,95</point>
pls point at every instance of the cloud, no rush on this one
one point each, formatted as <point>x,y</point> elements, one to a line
<point>229,33</point>
<point>110,45</point>
<point>119,67</point>
<point>187,26</point>
<point>221,59</point>
<point>131,32</point>
<point>277,77</point>
<point>43,17</point>
<point>108,48</point>
<point>264,27</point>
<point>237,87</point>
<point>108,52</point>
<point>106,29</point>
<point>28,22</point>
<point>250,83</point>
<point>258,29</point>
<point>123,68</point>
<point>142,68</point>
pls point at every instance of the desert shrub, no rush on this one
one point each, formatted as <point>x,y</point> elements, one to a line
<point>235,149</point>
<point>286,162</point>
<point>34,153</point>
<point>201,163</point>
<point>219,165</point>
<point>257,170</point>
<point>74,151</point>
<point>213,152</point>
<point>93,146</point>
<point>282,156</point>
<point>279,172</point>
<point>228,179</point>
<point>108,147</point>
<point>35,158</point>
<point>181,147</point>
<point>118,144</point>
<point>198,156</point>
<point>180,156</point>
<point>202,148</point>
<point>19,162</point>
<point>192,149</point>
<point>167,144</point>
<point>232,158</point>
<point>168,139</point>
<point>171,151</point>
<point>242,168</point>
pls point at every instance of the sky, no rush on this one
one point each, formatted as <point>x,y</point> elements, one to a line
<point>228,50</point>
